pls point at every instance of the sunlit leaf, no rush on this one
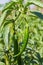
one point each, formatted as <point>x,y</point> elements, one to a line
<point>2,18</point>
<point>8,5</point>
<point>38,3</point>
<point>6,35</point>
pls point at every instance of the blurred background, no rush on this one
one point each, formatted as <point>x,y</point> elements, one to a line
<point>32,7</point>
<point>4,1</point>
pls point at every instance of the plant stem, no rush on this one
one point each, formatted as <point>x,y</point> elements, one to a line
<point>7,60</point>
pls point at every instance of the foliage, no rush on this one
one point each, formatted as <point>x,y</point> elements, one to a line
<point>21,34</point>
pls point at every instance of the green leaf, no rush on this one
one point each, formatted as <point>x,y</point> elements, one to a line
<point>38,3</point>
<point>38,56</point>
<point>20,1</point>
<point>1,47</point>
<point>6,35</point>
<point>2,18</point>
<point>15,0</point>
<point>38,14</point>
<point>1,63</point>
<point>8,6</point>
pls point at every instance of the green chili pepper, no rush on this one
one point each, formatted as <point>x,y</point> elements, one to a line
<point>25,41</point>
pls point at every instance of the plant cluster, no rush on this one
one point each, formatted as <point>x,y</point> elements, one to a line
<point>21,34</point>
